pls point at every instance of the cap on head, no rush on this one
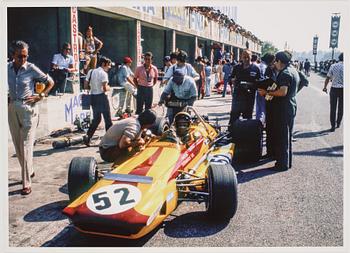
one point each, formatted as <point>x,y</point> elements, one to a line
<point>178,77</point>
<point>167,58</point>
<point>127,59</point>
<point>283,56</point>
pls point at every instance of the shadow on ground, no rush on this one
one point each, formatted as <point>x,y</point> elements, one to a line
<point>49,212</point>
<point>298,134</point>
<point>194,224</point>
<point>336,151</point>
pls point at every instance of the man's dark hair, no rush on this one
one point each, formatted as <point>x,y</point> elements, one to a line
<point>199,58</point>
<point>341,57</point>
<point>173,55</point>
<point>149,54</point>
<point>147,117</point>
<point>254,58</point>
<point>89,27</point>
<point>182,56</point>
<point>268,58</point>
<point>105,60</point>
<point>65,45</point>
<point>18,45</point>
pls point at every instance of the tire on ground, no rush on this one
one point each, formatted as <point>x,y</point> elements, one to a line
<point>247,136</point>
<point>82,174</point>
<point>222,187</point>
<point>160,126</point>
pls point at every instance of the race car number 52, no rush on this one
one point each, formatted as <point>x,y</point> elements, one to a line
<point>113,199</point>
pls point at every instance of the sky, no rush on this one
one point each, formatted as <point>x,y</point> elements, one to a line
<point>295,22</point>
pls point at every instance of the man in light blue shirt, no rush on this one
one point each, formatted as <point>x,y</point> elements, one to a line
<point>180,88</point>
<point>126,80</point>
<point>23,109</point>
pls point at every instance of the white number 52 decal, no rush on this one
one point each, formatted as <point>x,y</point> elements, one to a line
<point>113,199</point>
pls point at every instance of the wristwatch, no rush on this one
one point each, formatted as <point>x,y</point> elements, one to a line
<point>42,95</point>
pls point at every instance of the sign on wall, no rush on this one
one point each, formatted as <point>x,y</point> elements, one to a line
<point>74,35</point>
<point>175,14</point>
<point>150,10</point>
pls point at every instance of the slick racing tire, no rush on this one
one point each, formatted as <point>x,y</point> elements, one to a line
<point>222,187</point>
<point>82,174</point>
<point>248,138</point>
<point>160,126</point>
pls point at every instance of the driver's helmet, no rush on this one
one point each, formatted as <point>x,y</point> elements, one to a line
<point>182,123</point>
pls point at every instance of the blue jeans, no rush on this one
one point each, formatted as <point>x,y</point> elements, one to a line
<point>225,87</point>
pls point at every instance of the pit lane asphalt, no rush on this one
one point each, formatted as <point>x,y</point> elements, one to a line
<point>302,207</point>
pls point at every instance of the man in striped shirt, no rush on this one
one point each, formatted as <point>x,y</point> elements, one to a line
<point>335,74</point>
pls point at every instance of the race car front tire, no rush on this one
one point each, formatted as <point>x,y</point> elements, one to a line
<point>222,187</point>
<point>160,126</point>
<point>82,174</point>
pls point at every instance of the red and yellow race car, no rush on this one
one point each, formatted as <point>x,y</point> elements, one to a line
<point>189,162</point>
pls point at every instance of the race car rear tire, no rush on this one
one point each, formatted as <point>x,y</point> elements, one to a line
<point>160,126</point>
<point>222,187</point>
<point>82,174</point>
<point>248,138</point>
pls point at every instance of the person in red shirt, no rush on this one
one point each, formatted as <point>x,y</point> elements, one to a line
<point>145,78</point>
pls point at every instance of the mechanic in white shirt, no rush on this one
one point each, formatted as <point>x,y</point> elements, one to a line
<point>61,65</point>
<point>97,81</point>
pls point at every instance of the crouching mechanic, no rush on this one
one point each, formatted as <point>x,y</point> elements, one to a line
<point>124,134</point>
<point>179,92</point>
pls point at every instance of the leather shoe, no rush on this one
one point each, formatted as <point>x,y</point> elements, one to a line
<point>26,191</point>
<point>32,175</point>
<point>332,129</point>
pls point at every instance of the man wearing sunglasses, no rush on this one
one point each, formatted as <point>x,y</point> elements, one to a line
<point>61,65</point>
<point>23,111</point>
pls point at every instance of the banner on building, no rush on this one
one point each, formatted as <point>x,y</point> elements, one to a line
<point>150,10</point>
<point>74,35</point>
<point>314,47</point>
<point>175,14</point>
<point>335,23</point>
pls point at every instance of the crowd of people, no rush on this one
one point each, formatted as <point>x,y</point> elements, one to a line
<point>275,105</point>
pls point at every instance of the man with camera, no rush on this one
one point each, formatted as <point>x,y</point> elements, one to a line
<point>245,76</point>
<point>97,82</point>
<point>178,93</point>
